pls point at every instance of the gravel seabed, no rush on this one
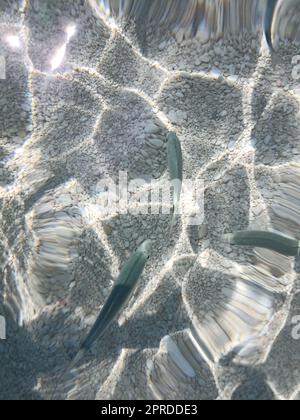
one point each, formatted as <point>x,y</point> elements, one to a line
<point>207,321</point>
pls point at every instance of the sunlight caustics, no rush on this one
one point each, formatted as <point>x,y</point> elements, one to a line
<point>13,41</point>
<point>71,31</point>
<point>61,52</point>
<point>58,58</point>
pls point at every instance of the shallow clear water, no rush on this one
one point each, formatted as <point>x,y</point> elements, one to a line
<point>89,90</point>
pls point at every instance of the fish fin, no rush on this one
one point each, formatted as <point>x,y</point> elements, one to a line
<point>79,356</point>
<point>268,39</point>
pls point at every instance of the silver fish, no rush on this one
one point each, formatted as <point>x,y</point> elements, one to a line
<point>175,168</point>
<point>268,22</point>
<point>119,296</point>
<point>269,240</point>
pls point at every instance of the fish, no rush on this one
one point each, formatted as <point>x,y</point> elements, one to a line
<point>119,296</point>
<point>175,166</point>
<point>269,240</point>
<point>267,27</point>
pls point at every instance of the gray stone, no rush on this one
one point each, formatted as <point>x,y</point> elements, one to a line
<point>156,143</point>
<point>151,128</point>
<point>205,58</point>
<point>177,117</point>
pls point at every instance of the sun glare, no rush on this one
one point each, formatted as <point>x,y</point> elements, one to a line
<point>13,41</point>
<point>61,52</point>
<point>70,31</point>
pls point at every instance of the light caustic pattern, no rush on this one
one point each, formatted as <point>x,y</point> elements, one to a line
<point>82,102</point>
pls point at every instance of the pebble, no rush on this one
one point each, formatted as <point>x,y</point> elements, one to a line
<point>26,107</point>
<point>215,72</point>
<point>233,78</point>
<point>90,320</point>
<point>177,117</point>
<point>151,128</point>
<point>269,158</point>
<point>144,153</point>
<point>162,46</point>
<point>156,143</point>
<point>205,58</point>
<point>218,50</point>
<point>231,145</point>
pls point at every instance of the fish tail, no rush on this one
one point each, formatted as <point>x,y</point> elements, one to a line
<point>269,40</point>
<point>274,56</point>
<point>79,356</point>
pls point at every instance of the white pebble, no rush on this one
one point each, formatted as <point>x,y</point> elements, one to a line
<point>151,128</point>
<point>156,143</point>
